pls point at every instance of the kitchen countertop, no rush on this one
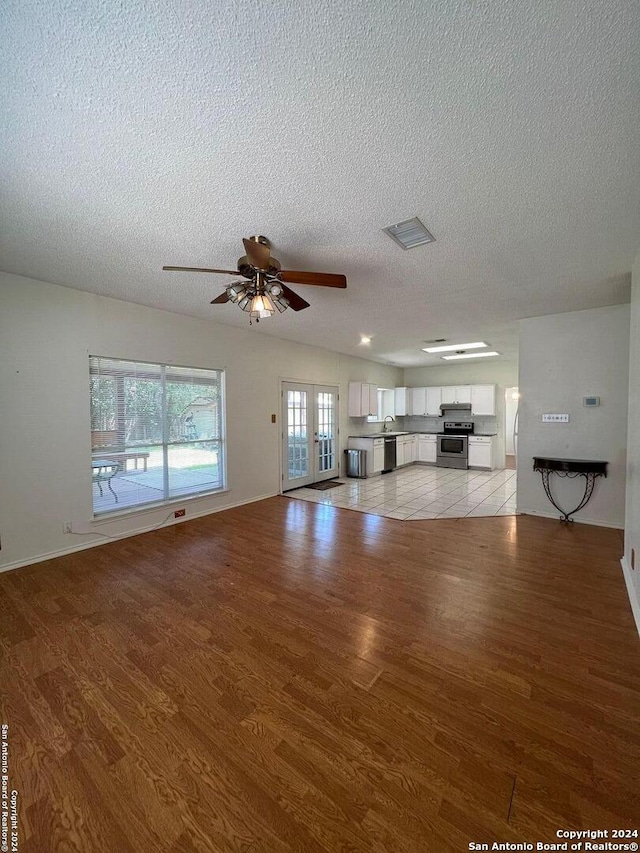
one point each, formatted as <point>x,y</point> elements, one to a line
<point>382,435</point>
<point>414,432</point>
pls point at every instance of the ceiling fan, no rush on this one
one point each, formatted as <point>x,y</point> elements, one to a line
<point>264,287</point>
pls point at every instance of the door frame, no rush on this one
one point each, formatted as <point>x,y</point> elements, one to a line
<point>318,383</point>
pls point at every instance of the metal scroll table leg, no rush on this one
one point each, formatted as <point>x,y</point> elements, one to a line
<point>590,479</point>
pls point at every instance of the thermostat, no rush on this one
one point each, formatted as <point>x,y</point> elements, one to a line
<point>591,401</point>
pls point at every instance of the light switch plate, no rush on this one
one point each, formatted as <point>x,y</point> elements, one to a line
<point>555,419</point>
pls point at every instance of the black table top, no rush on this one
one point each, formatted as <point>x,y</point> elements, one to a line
<point>571,466</point>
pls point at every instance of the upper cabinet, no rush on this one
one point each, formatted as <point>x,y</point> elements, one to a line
<point>433,398</point>
<point>418,401</point>
<point>427,401</point>
<point>363,400</point>
<point>401,401</point>
<point>424,401</point>
<point>456,394</point>
<point>483,399</point>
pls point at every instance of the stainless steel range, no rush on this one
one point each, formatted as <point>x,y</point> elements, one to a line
<point>453,444</point>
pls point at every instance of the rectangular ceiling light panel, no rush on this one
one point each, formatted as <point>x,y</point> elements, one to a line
<point>410,233</point>
<point>453,347</point>
<point>470,355</point>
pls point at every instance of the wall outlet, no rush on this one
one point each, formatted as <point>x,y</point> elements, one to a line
<point>66,527</point>
<point>179,513</point>
<point>555,419</point>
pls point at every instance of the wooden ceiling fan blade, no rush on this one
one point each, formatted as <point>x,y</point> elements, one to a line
<point>259,255</point>
<point>220,300</point>
<point>200,269</point>
<point>319,279</point>
<point>296,302</point>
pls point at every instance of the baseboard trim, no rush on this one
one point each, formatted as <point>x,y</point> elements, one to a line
<point>104,538</point>
<point>595,522</point>
<point>631,592</point>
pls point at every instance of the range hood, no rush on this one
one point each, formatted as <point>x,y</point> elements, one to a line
<point>455,407</point>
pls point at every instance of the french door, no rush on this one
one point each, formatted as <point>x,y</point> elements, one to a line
<point>309,435</point>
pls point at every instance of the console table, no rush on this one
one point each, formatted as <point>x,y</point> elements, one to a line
<point>587,468</point>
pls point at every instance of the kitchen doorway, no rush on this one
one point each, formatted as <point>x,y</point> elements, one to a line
<point>512,400</point>
<point>309,434</point>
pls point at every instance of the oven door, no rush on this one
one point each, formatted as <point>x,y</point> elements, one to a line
<point>453,446</point>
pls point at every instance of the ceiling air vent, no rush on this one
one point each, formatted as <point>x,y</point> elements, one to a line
<point>409,234</point>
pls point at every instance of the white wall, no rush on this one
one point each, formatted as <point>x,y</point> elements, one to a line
<point>47,333</point>
<point>487,372</point>
<point>564,358</point>
<point>632,521</point>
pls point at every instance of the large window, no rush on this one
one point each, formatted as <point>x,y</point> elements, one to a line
<point>157,433</point>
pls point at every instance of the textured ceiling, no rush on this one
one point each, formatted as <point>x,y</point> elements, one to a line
<point>136,135</point>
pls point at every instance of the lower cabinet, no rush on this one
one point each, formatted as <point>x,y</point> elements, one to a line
<point>374,448</point>
<point>377,457</point>
<point>427,448</point>
<point>481,451</point>
<point>422,448</point>
<point>406,449</point>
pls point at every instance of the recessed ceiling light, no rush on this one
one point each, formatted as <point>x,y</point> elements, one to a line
<point>365,339</point>
<point>410,233</point>
<point>452,347</point>
<point>469,355</point>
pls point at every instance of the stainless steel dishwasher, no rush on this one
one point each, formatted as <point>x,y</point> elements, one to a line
<point>389,454</point>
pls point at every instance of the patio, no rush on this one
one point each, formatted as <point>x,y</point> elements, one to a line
<point>191,470</point>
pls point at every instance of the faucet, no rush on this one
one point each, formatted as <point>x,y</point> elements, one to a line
<point>384,427</point>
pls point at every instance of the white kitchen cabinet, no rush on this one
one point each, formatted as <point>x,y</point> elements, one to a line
<point>427,448</point>
<point>456,394</point>
<point>401,399</point>
<point>417,401</point>
<point>405,453</point>
<point>363,400</point>
<point>481,451</point>
<point>425,401</point>
<point>374,448</point>
<point>483,399</point>
<point>412,444</point>
<point>369,396</point>
<point>433,400</point>
<point>377,463</point>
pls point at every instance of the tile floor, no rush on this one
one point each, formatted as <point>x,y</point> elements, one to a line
<point>419,491</point>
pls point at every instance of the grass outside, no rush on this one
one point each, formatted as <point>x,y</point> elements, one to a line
<point>181,457</point>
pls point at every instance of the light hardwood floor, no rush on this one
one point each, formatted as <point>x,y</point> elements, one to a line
<point>291,676</point>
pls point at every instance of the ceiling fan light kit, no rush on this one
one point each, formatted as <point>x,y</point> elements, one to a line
<point>265,290</point>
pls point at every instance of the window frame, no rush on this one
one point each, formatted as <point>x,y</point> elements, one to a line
<point>161,373</point>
